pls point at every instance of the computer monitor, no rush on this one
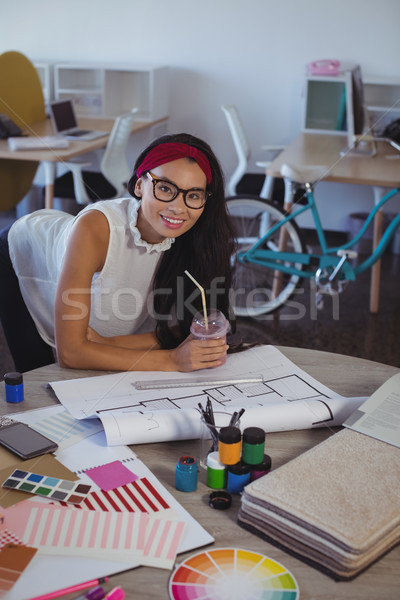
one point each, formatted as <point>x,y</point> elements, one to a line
<point>360,140</point>
<point>325,105</point>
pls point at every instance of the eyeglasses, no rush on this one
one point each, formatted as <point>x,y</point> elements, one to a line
<point>165,191</point>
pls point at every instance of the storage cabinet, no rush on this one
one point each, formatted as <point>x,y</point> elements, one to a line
<point>110,90</point>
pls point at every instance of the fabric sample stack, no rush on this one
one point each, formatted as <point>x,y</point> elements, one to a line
<point>337,506</point>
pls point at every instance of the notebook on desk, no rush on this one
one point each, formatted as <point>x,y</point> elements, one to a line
<point>65,122</point>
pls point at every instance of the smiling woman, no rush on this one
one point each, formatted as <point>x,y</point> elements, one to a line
<point>106,289</point>
<point>167,210</point>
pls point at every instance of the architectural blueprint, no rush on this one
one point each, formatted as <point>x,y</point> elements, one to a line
<point>286,399</point>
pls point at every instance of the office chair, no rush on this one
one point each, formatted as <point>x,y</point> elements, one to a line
<point>240,181</point>
<point>21,99</point>
<point>110,182</point>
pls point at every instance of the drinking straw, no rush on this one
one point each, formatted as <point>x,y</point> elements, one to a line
<point>203,297</point>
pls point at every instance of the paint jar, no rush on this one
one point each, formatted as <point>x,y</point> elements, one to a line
<point>253,445</point>
<point>229,445</point>
<point>14,386</point>
<point>209,434</point>
<point>238,477</point>
<point>262,469</point>
<point>216,472</point>
<point>186,474</point>
<point>218,326</point>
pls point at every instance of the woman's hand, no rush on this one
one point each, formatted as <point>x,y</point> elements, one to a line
<point>193,354</point>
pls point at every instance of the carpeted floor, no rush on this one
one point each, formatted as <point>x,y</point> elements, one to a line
<point>344,327</point>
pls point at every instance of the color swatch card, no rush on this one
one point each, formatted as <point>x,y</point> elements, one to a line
<point>138,496</point>
<point>8,537</point>
<point>52,488</point>
<point>111,475</point>
<point>232,573</point>
<point>162,542</point>
<point>53,530</point>
<point>115,536</point>
<point>46,464</point>
<point>13,561</point>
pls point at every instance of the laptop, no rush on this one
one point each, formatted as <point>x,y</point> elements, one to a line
<point>65,122</point>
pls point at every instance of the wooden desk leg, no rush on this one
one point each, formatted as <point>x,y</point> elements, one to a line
<point>376,268</point>
<point>49,176</point>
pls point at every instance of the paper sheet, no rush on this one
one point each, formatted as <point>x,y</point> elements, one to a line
<point>379,416</point>
<point>287,399</point>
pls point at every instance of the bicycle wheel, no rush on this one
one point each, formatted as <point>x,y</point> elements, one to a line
<point>257,290</point>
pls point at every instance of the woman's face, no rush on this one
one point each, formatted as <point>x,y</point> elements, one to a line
<point>158,220</point>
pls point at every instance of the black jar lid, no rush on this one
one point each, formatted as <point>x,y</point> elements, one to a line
<point>220,500</point>
<point>229,435</point>
<point>254,435</point>
<point>265,465</point>
<point>239,468</point>
<point>13,378</point>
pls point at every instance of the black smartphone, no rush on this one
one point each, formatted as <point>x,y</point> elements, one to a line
<point>24,441</point>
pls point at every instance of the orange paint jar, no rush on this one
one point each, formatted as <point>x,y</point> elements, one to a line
<point>229,445</point>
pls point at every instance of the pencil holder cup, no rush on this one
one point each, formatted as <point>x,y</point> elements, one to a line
<point>209,434</point>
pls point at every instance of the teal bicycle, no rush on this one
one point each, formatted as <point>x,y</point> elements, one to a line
<point>271,258</point>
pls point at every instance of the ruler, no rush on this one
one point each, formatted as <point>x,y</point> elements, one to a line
<point>195,382</point>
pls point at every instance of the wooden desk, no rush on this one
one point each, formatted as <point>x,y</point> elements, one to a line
<point>310,149</point>
<point>344,374</point>
<point>49,158</point>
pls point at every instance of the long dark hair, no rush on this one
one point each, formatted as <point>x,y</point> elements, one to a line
<point>204,251</point>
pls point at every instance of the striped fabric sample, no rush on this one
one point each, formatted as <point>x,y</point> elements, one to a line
<point>137,496</point>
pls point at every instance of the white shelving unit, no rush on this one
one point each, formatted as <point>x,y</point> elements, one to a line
<point>382,97</point>
<point>111,90</point>
<point>45,72</point>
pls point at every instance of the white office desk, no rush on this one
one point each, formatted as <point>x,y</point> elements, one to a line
<point>49,158</point>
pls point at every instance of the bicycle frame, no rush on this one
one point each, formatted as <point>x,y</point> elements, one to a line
<point>286,261</point>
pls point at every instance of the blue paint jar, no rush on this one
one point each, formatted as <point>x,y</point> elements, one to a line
<point>238,477</point>
<point>186,474</point>
<point>14,386</point>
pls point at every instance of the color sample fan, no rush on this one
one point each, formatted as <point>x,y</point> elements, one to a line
<point>232,574</point>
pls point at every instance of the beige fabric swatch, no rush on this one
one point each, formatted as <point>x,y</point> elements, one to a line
<point>337,504</point>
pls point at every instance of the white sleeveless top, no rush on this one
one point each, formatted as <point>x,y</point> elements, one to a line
<point>121,302</point>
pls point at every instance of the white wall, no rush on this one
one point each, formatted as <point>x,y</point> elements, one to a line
<point>248,52</point>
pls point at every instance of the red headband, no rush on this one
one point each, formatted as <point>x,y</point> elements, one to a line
<point>164,153</point>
